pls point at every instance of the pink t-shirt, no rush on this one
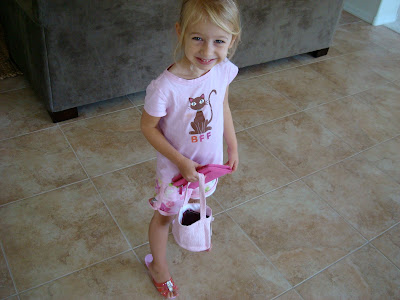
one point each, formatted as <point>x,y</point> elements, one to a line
<point>192,115</point>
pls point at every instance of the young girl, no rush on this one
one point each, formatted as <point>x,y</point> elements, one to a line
<point>186,116</point>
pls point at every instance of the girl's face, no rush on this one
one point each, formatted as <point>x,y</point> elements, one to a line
<point>205,45</point>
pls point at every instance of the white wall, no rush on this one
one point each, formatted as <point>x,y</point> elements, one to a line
<point>376,12</point>
<point>387,12</point>
<point>364,9</point>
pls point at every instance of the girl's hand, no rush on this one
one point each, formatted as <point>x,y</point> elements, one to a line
<point>187,167</point>
<point>233,161</point>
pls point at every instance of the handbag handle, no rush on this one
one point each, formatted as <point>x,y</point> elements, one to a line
<point>203,201</point>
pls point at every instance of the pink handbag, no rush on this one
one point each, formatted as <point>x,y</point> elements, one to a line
<point>192,226</point>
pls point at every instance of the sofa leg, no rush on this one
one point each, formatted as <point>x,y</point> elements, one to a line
<point>59,116</point>
<point>319,53</point>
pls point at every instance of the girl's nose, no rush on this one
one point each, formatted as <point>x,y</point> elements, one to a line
<point>207,49</point>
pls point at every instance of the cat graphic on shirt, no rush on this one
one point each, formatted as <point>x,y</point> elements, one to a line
<point>200,123</point>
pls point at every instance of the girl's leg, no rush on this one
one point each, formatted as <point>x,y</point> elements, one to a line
<point>158,238</point>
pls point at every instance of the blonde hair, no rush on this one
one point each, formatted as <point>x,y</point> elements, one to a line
<point>223,13</point>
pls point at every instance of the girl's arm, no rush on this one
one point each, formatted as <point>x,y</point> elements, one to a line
<point>230,135</point>
<point>149,126</point>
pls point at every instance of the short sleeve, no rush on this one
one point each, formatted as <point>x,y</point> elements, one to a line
<point>232,71</point>
<point>155,103</point>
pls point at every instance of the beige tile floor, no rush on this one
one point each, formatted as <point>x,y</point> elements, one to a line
<point>312,213</point>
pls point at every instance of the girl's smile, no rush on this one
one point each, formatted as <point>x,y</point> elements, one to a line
<point>205,61</point>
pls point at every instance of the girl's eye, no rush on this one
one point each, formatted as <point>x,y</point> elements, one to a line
<point>219,41</point>
<point>196,38</point>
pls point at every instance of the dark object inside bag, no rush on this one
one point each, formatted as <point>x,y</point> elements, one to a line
<point>190,216</point>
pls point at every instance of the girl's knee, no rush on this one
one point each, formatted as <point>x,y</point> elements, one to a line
<point>161,219</point>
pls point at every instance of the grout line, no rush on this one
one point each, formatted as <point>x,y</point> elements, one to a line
<point>350,253</point>
<point>262,253</point>
<point>319,197</point>
<point>359,60</point>
<point>298,293</point>
<point>126,239</point>
<point>294,67</point>
<point>137,108</point>
<point>297,107</point>
<point>126,167</point>
<point>72,121</point>
<point>351,94</point>
<point>10,297</point>
<point>355,21</point>
<point>351,148</point>
<point>334,263</point>
<point>335,211</point>
<point>44,192</point>
<point>349,157</point>
<point>137,257</point>
<point>302,180</point>
<point>340,98</point>
<point>112,216</point>
<point>101,197</point>
<point>379,235</point>
<point>76,182</point>
<point>286,292</point>
<point>9,268</point>
<point>144,244</point>
<point>216,200</point>
<point>283,293</point>
<point>366,242</point>
<point>272,120</point>
<point>344,24</point>
<point>385,172</point>
<point>321,104</point>
<point>28,133</point>
<point>130,100</point>
<point>129,96</point>
<point>272,154</point>
<point>239,131</point>
<point>259,196</point>
<point>377,249</point>
<point>23,78</point>
<point>15,89</point>
<point>75,271</point>
<point>220,213</point>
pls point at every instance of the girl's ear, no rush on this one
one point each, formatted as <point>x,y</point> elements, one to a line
<point>178,29</point>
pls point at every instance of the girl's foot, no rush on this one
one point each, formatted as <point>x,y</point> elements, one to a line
<point>162,280</point>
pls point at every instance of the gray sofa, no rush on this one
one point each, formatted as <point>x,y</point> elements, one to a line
<point>79,52</point>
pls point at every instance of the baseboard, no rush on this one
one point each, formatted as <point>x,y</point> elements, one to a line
<point>363,15</point>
